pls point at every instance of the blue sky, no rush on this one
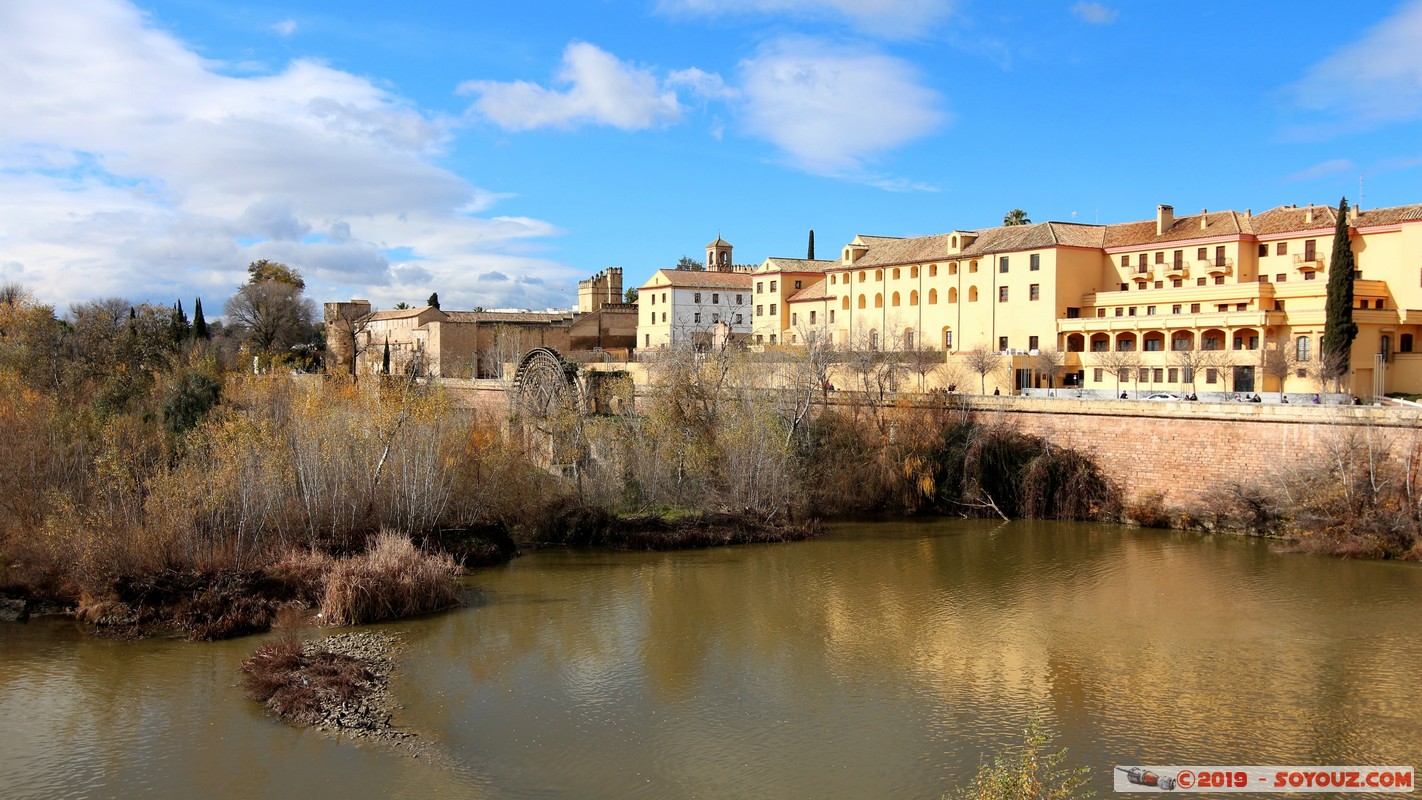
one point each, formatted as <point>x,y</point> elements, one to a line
<point>498,152</point>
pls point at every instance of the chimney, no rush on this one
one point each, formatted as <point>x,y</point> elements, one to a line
<point>1308,215</point>
<point>1353,213</point>
<point>1204,218</point>
<point>1164,218</point>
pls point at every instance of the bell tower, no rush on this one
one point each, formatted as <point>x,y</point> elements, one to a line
<point>718,256</point>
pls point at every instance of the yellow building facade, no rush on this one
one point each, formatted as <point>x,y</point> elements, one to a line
<point>1211,302</point>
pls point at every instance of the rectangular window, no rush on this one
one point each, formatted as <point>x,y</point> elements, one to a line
<point>1125,262</point>
<point>1281,249</point>
<point>1308,276</point>
<point>1199,281</point>
<point>812,317</point>
<point>772,309</point>
<point>1178,259</point>
<point>695,317</point>
<point>1176,283</point>
<point>1173,376</point>
<point>1036,262</point>
<point>1210,343</point>
<point>772,286</point>
<point>1158,374</point>
<point>740,319</point>
<point>1096,374</point>
<point>1219,257</point>
<point>947,340</point>
<point>760,287</point>
<point>797,284</point>
<point>715,317</point>
<point>794,320</point>
<point>1194,308</point>
<point>1120,312</point>
<point>1175,309</point>
<point>1150,311</point>
<point>1034,292</point>
<point>1031,342</point>
<point>654,299</point>
<point>696,298</point>
<point>1241,306</point>
<point>1100,312</point>
<point>664,297</point>
<point>1152,345</point>
<point>1141,262</point>
<point>1002,264</point>
<point>1263,251</point>
<point>1143,375</point>
<point>760,311</point>
<point>1219,280</point>
<point>1211,375</point>
<point>1002,342</point>
<point>1131,312</point>
<point>716,298</point>
<point>1281,277</point>
<point>664,316</point>
<point>1311,250</point>
<point>740,299</point>
<point>831,318</point>
<point>1160,284</point>
<point>1002,294</point>
<point>1160,257</point>
<point>1222,306</point>
<point>647,342</point>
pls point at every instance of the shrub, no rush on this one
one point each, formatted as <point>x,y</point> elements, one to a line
<point>1027,773</point>
<point>1149,511</point>
<point>302,686</point>
<point>393,579</point>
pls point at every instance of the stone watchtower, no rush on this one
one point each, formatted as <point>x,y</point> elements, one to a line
<point>718,256</point>
<point>601,289</point>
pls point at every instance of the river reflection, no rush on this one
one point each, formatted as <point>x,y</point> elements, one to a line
<point>884,660</point>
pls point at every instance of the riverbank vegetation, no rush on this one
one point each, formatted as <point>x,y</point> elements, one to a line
<point>1028,772</point>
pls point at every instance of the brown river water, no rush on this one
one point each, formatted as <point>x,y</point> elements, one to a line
<point>884,660</point>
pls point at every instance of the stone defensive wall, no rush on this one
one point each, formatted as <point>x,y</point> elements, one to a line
<point>1184,450</point>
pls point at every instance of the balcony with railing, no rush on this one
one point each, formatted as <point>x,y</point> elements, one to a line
<point>1177,269</point>
<point>1143,273</point>
<point>1308,262</point>
<point>1220,265</point>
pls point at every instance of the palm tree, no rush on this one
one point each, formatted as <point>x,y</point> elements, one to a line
<point>1016,217</point>
<point>402,306</point>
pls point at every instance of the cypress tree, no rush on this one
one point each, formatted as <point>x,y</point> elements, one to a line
<point>181,329</point>
<point>433,301</point>
<point>199,322</point>
<point>1339,330</point>
<point>811,255</point>
<point>385,359</point>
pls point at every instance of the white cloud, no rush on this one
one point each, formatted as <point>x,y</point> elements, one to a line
<point>1375,80</point>
<point>1321,170</point>
<point>888,18</point>
<point>129,166</point>
<point>832,110</point>
<point>1094,13</point>
<point>706,85</point>
<point>284,28</point>
<point>599,90</point>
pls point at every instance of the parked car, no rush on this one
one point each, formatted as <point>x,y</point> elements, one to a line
<point>1163,396</point>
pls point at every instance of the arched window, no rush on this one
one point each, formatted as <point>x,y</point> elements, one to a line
<point>952,295</point>
<point>933,297</point>
<point>873,340</point>
<point>913,298</point>
<point>1302,353</point>
<point>861,301</point>
<point>878,300</point>
<point>878,274</point>
<point>955,241</point>
<point>861,275</point>
<point>972,294</point>
<point>895,300</point>
<point>952,268</point>
<point>896,273</point>
<point>913,272</point>
<point>845,304</point>
<point>947,339</point>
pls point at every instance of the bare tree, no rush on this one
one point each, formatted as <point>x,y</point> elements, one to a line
<point>982,362</point>
<point>1121,363</point>
<point>803,375</point>
<point>1196,360</point>
<point>274,315</point>
<point>1050,362</point>
<point>345,324</point>
<point>1279,360</point>
<point>923,361</point>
